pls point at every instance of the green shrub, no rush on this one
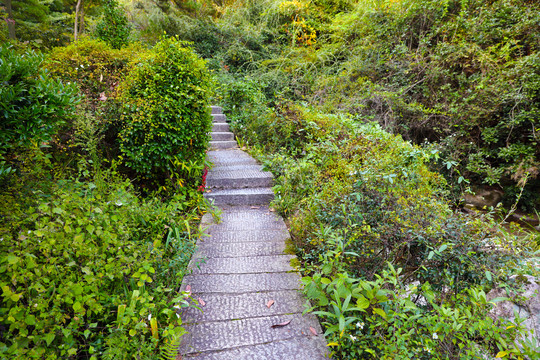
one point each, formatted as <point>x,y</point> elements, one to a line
<point>33,106</point>
<point>93,65</point>
<point>167,118</point>
<point>114,27</point>
<point>97,69</point>
<point>91,271</point>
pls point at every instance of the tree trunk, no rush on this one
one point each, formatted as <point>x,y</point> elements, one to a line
<point>78,10</point>
<point>10,20</point>
<point>81,19</point>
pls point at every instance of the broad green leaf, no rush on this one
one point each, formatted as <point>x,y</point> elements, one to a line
<point>380,312</point>
<point>12,259</point>
<point>362,302</point>
<point>49,338</point>
<point>30,320</point>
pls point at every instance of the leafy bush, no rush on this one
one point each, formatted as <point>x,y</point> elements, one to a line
<point>386,319</point>
<point>97,69</point>
<point>114,27</point>
<point>93,65</point>
<point>166,121</point>
<point>33,106</point>
<point>91,271</point>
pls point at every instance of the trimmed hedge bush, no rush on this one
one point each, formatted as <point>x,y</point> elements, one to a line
<point>166,119</point>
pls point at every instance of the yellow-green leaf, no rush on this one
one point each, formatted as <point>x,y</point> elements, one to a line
<point>380,312</point>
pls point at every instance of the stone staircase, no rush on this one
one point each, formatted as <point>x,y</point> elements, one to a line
<point>236,178</point>
<point>241,278</point>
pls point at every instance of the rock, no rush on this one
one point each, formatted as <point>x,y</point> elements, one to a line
<point>483,198</point>
<point>529,309</point>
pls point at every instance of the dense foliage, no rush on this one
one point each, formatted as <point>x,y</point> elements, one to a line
<point>32,105</point>
<point>463,75</point>
<point>89,268</point>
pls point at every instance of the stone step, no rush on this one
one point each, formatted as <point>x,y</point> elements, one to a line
<point>222,136</point>
<point>243,264</point>
<point>219,118</point>
<point>237,249</point>
<point>245,196</point>
<point>224,335</point>
<point>220,307</point>
<point>220,127</point>
<point>305,347</point>
<point>237,177</point>
<point>230,157</point>
<point>230,144</point>
<point>256,236</point>
<point>242,283</point>
<point>216,110</point>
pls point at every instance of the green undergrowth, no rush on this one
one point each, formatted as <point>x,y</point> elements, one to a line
<point>391,269</point>
<point>91,270</point>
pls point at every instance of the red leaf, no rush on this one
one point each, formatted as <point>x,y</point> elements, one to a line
<point>313,331</point>
<point>201,301</point>
<point>269,303</point>
<point>285,323</point>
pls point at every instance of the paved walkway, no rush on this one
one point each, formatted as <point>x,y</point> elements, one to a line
<point>243,281</point>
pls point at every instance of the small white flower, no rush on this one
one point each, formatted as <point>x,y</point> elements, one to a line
<point>435,336</point>
<point>353,338</point>
<point>360,325</point>
<point>149,317</point>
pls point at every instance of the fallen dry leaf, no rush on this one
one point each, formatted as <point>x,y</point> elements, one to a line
<point>102,96</point>
<point>285,323</point>
<point>269,303</point>
<point>178,357</point>
<point>255,207</point>
<point>188,289</point>
<point>202,302</point>
<point>272,209</point>
<point>313,331</point>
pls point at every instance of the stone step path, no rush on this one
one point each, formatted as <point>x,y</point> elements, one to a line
<point>241,277</point>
